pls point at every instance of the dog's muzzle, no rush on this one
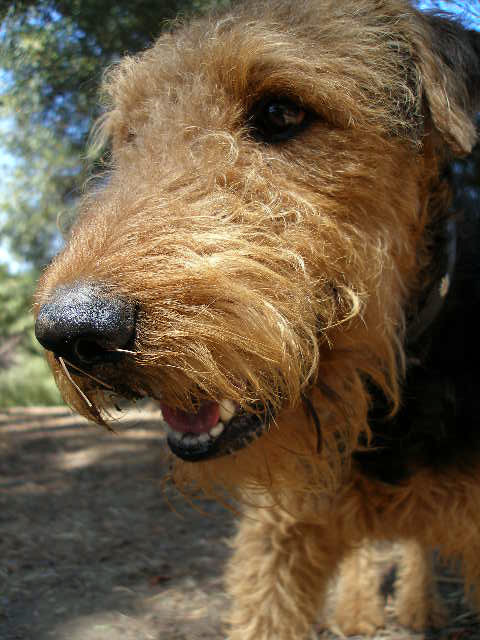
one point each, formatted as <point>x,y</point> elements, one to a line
<point>86,327</point>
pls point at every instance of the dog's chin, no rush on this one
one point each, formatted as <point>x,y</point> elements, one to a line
<point>221,433</point>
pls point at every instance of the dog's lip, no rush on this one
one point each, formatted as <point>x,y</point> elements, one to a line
<point>203,435</point>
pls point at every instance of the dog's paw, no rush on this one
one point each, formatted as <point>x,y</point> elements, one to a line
<point>355,616</point>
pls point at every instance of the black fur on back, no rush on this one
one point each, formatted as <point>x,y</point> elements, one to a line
<point>438,424</point>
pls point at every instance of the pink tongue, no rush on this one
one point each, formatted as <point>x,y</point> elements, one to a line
<point>201,422</point>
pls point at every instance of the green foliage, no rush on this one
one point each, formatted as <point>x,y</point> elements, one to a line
<point>15,302</point>
<point>28,383</point>
<point>24,375</point>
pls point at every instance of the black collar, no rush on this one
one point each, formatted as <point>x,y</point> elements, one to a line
<point>443,266</point>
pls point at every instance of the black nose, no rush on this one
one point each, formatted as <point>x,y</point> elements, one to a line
<point>85,325</point>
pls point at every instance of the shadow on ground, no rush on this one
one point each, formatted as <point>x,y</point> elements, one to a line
<point>95,546</point>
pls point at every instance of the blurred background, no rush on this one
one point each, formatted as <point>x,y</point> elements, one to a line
<point>52,54</point>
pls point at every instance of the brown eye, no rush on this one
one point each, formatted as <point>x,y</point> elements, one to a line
<point>284,115</point>
<point>278,119</point>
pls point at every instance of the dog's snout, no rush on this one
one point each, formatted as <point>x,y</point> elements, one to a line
<point>85,324</point>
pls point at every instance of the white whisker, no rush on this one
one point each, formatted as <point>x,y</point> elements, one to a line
<point>74,384</point>
<point>89,375</point>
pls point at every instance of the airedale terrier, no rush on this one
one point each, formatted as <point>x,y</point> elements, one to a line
<point>274,260</point>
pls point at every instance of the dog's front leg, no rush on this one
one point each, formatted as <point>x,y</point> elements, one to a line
<point>278,575</point>
<point>359,608</point>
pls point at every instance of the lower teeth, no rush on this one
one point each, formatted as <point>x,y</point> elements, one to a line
<point>191,438</point>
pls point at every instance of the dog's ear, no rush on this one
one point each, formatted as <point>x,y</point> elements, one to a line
<point>450,76</point>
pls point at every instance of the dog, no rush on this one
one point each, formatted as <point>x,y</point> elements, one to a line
<point>274,259</point>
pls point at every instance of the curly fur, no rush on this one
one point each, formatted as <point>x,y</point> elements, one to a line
<point>272,273</point>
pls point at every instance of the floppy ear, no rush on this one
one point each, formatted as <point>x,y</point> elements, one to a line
<point>450,73</point>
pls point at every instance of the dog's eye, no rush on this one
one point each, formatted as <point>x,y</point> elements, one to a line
<point>278,119</point>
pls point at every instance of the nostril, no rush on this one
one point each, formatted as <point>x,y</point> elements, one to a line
<point>89,351</point>
<point>85,324</point>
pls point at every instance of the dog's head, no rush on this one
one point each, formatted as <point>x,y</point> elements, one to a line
<point>249,258</point>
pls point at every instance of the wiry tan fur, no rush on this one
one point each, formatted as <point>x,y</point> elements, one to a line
<point>267,274</point>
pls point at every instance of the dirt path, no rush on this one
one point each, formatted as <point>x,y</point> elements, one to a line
<point>91,550</point>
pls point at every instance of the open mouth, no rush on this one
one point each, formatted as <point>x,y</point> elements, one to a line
<point>216,429</point>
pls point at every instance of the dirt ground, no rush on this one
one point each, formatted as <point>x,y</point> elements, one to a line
<point>94,546</point>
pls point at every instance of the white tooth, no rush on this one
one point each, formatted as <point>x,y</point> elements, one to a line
<point>203,437</point>
<point>216,431</point>
<point>227,410</point>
